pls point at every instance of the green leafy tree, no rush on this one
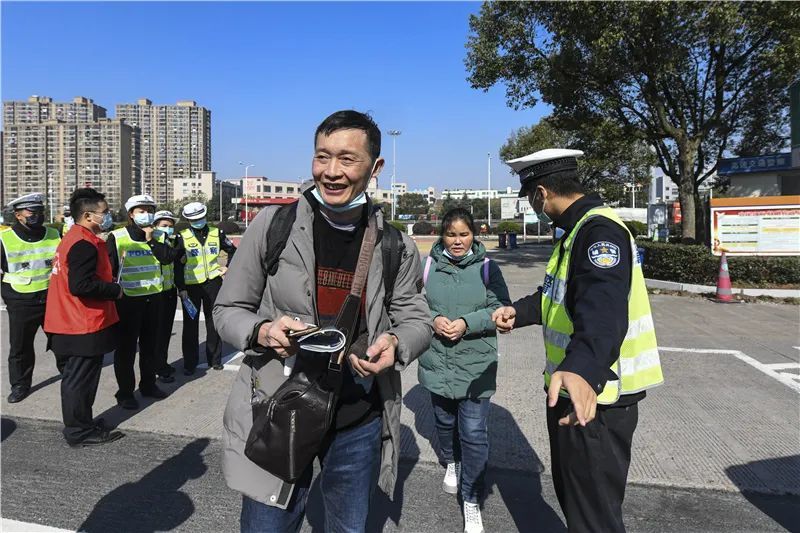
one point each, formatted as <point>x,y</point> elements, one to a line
<point>412,204</point>
<point>694,80</point>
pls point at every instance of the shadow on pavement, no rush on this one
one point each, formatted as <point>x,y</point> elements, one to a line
<point>519,487</point>
<point>775,475</point>
<point>7,427</point>
<point>155,502</point>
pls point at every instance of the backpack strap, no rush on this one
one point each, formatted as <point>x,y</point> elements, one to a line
<point>486,262</point>
<point>428,263</point>
<point>278,235</point>
<point>392,248</point>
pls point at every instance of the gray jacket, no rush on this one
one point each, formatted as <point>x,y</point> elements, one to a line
<point>248,298</point>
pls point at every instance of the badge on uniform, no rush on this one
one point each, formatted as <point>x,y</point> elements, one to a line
<point>604,254</point>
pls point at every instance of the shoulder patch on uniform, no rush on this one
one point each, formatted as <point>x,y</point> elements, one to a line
<point>604,254</point>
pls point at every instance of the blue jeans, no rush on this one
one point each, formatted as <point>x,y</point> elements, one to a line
<point>349,471</point>
<point>463,437</point>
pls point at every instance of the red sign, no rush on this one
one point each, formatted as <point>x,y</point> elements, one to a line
<point>676,213</point>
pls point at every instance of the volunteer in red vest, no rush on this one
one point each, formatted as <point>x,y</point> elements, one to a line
<point>202,275</point>
<point>81,317</point>
<point>26,259</point>
<point>136,259</point>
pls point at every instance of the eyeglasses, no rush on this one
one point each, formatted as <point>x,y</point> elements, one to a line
<point>101,214</point>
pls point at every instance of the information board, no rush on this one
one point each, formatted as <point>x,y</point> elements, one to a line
<point>756,226</point>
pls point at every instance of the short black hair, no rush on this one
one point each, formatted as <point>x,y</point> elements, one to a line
<point>353,120</point>
<point>564,183</point>
<point>456,214</point>
<point>84,201</point>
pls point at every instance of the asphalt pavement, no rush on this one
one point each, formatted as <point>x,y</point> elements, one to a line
<point>717,447</point>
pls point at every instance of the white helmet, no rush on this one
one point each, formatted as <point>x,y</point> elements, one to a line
<point>164,214</point>
<point>140,200</point>
<point>194,211</point>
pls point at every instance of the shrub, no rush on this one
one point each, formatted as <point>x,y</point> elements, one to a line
<point>399,225</point>
<point>507,226</point>
<point>423,228</point>
<point>636,228</point>
<point>686,263</point>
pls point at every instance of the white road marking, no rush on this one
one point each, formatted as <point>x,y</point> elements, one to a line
<point>14,526</point>
<point>788,379</point>
<point>228,361</point>
<point>783,366</point>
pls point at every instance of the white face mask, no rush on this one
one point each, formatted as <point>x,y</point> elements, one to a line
<point>359,200</point>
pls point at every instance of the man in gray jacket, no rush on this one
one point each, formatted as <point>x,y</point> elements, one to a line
<point>255,312</point>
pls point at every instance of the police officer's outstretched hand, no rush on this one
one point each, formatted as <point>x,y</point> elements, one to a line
<point>274,335</point>
<point>503,318</point>
<point>583,396</point>
<point>380,356</point>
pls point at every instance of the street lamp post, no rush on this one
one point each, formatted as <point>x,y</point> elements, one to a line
<point>50,194</point>
<point>489,184</point>
<point>220,200</point>
<point>244,191</point>
<point>394,134</point>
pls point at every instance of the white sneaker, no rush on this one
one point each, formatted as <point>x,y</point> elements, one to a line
<point>472,518</point>
<point>450,482</point>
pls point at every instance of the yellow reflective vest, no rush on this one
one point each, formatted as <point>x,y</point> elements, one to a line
<point>140,270</point>
<point>638,366</point>
<point>167,271</point>
<point>202,260</point>
<point>29,263</point>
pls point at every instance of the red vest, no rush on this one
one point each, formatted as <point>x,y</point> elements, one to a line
<point>66,314</point>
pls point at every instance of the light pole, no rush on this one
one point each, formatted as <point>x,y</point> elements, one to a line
<point>394,134</point>
<point>489,191</point>
<point>50,194</point>
<point>220,200</point>
<point>244,191</point>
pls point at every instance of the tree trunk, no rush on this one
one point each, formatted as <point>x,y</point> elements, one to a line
<point>686,189</point>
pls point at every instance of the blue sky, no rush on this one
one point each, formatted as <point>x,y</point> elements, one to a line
<point>270,72</point>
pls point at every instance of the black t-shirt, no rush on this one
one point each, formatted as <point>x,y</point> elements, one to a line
<point>336,254</point>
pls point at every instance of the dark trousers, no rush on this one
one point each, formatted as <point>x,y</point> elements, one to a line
<point>138,323</point>
<point>590,465</point>
<point>24,320</point>
<point>167,307</point>
<point>78,390</point>
<point>205,294</point>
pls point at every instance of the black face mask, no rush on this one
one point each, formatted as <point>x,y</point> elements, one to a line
<point>35,221</point>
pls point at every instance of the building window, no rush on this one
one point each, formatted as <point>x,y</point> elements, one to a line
<point>278,188</point>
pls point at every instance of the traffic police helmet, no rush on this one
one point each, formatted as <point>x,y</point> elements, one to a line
<point>33,202</point>
<point>160,215</point>
<point>140,200</point>
<point>537,165</point>
<point>194,211</point>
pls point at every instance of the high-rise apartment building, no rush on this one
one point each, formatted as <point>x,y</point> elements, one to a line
<point>174,143</point>
<point>38,109</point>
<point>56,157</point>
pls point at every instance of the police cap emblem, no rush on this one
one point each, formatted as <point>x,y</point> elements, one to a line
<point>604,254</point>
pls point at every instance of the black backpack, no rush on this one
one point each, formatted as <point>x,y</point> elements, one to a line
<point>392,246</point>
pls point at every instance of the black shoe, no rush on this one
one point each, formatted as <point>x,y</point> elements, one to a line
<point>188,371</point>
<point>154,392</point>
<point>218,366</point>
<point>98,437</point>
<point>166,379</point>
<point>100,424</point>
<point>168,370</point>
<point>18,394</point>
<point>128,403</point>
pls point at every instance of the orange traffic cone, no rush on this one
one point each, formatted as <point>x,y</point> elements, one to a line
<point>724,292</point>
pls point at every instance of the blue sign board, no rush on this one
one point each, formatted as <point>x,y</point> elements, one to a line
<point>747,165</point>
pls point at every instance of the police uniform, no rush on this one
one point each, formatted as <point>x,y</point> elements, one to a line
<point>137,263</point>
<point>27,258</point>
<point>202,277</point>
<point>597,324</point>
<point>168,298</point>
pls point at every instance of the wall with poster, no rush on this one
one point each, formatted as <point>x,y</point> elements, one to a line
<point>768,225</point>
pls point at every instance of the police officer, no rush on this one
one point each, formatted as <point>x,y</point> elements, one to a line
<point>600,344</point>
<point>136,260</point>
<point>164,231</point>
<point>202,275</point>
<point>27,255</point>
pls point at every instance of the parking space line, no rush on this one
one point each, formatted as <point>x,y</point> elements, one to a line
<point>228,361</point>
<point>788,379</point>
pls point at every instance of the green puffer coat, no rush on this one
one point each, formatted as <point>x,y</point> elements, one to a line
<point>466,368</point>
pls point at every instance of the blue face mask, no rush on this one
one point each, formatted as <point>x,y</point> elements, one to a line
<point>543,217</point>
<point>198,224</point>
<point>164,230</point>
<point>107,222</point>
<point>143,220</point>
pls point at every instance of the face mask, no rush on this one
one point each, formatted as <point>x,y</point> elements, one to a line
<point>457,257</point>
<point>34,221</point>
<point>143,219</point>
<point>165,230</point>
<point>106,222</point>
<point>198,224</point>
<point>543,217</point>
<point>359,200</point>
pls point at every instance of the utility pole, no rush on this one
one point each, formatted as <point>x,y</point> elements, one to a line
<point>489,190</point>
<point>394,134</point>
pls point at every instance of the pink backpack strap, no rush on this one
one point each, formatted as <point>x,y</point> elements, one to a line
<point>428,263</point>
<point>486,261</point>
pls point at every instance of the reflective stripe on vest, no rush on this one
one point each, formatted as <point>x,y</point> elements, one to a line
<point>638,366</point>
<point>202,260</point>
<point>141,271</point>
<point>167,271</point>
<point>29,263</point>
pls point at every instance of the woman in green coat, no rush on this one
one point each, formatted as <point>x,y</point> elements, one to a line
<point>459,369</point>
